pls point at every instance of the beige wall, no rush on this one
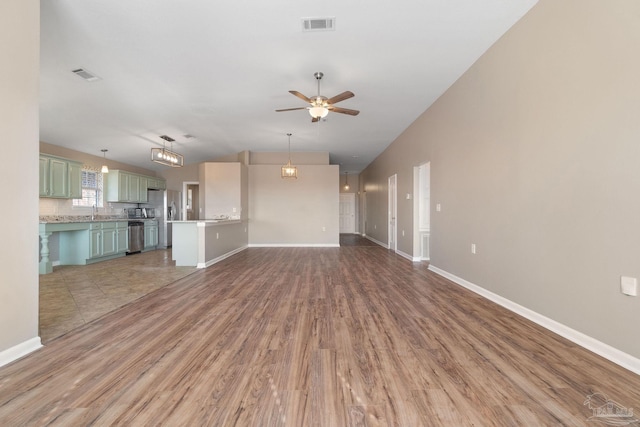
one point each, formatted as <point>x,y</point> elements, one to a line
<point>535,158</point>
<point>19,44</point>
<point>221,189</point>
<point>293,211</point>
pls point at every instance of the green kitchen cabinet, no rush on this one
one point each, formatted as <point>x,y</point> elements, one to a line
<point>107,239</point>
<point>122,231</point>
<point>150,235</point>
<point>75,180</point>
<point>95,243</point>
<point>122,186</point>
<point>60,178</point>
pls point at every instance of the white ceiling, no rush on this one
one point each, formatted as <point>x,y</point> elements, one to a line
<point>219,69</point>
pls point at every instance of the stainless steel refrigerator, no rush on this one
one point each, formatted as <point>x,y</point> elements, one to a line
<point>167,207</point>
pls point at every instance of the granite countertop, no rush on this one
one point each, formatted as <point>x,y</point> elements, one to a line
<point>62,219</point>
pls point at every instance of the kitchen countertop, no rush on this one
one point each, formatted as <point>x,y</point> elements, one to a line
<point>66,219</point>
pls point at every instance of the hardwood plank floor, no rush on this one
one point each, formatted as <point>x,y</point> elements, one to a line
<point>349,336</point>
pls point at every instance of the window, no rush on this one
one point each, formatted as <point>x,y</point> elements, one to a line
<point>91,189</point>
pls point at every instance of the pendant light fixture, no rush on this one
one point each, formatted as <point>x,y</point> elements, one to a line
<point>167,157</point>
<point>288,170</point>
<point>346,181</point>
<point>105,168</point>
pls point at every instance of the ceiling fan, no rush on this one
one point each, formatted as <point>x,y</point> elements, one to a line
<point>321,105</point>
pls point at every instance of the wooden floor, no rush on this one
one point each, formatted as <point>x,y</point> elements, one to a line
<point>350,336</point>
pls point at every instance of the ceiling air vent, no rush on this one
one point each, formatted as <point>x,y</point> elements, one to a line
<point>85,75</point>
<point>318,24</point>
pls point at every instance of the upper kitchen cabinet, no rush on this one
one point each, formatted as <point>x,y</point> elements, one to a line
<point>156,183</point>
<point>60,178</point>
<point>129,187</point>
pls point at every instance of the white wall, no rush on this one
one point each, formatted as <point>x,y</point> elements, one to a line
<point>293,212</point>
<point>19,44</point>
<point>535,158</point>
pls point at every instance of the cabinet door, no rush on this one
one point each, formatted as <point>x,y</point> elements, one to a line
<point>44,177</point>
<point>123,187</point>
<point>59,178</point>
<point>150,235</point>
<point>154,236</point>
<point>134,188</point>
<point>109,241</point>
<point>122,238</point>
<point>75,180</point>
<point>95,243</point>
<point>144,186</point>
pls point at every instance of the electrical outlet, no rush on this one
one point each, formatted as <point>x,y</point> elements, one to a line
<point>402,233</point>
<point>473,248</point>
<point>217,235</point>
<point>629,286</point>
<point>324,228</point>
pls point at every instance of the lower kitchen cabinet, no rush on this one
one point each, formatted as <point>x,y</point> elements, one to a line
<point>150,235</point>
<point>104,239</point>
<point>86,243</point>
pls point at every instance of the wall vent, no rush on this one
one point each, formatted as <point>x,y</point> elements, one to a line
<point>318,24</point>
<point>90,77</point>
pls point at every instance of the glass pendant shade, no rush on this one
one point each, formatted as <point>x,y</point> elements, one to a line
<point>288,170</point>
<point>105,168</point>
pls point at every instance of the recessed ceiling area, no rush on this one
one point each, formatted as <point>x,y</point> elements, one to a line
<point>219,70</point>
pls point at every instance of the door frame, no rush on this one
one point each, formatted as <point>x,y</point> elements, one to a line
<point>421,236</point>
<point>392,218</point>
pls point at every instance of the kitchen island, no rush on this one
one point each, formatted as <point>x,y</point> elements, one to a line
<point>201,243</point>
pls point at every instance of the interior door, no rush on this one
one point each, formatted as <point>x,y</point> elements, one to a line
<point>393,212</point>
<point>347,213</point>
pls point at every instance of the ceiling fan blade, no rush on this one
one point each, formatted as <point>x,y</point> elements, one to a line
<point>341,97</point>
<point>344,111</point>
<point>291,109</point>
<point>299,95</point>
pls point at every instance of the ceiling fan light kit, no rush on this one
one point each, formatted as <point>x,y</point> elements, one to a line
<point>321,105</point>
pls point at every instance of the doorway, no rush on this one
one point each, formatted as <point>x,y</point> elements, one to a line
<point>191,200</point>
<point>421,211</point>
<point>393,212</point>
<point>347,213</point>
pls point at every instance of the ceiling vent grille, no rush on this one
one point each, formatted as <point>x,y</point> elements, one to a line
<point>85,75</point>
<point>318,24</point>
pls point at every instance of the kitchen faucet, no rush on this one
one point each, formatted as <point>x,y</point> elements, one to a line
<point>94,212</point>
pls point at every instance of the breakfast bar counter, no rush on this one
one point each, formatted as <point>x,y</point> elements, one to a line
<point>201,243</point>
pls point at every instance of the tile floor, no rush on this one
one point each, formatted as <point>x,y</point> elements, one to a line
<point>74,295</point>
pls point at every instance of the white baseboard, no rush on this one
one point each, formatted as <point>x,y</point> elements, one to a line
<point>407,256</point>
<point>17,351</point>
<point>220,258</point>
<point>294,245</point>
<point>384,245</point>
<point>616,356</point>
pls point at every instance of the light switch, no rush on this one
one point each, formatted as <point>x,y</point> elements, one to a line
<point>629,286</point>
<point>438,207</point>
